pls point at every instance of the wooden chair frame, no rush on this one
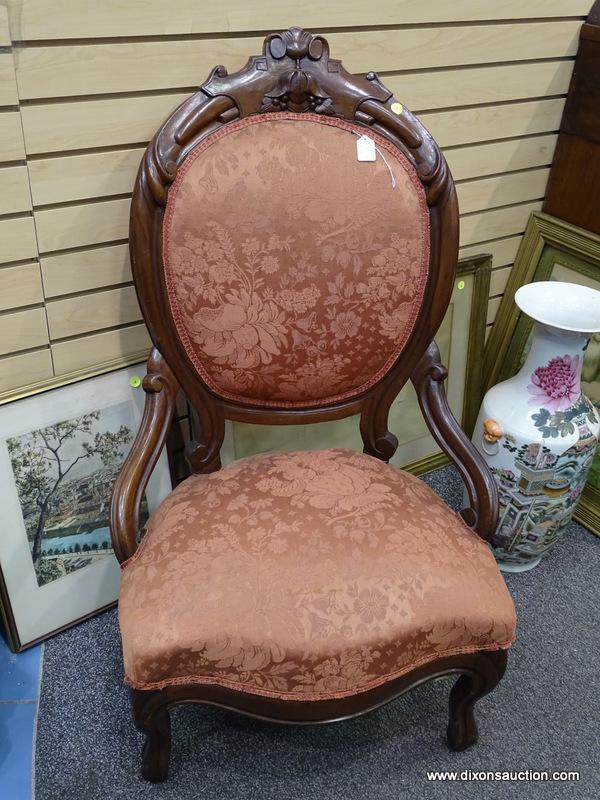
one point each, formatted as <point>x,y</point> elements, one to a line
<point>296,74</point>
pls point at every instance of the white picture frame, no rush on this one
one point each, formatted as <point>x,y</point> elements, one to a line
<point>75,574</point>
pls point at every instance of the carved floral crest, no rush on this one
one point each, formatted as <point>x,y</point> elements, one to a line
<point>297,91</point>
<point>293,73</point>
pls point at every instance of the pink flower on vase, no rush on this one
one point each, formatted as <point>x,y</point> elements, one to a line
<point>556,386</point>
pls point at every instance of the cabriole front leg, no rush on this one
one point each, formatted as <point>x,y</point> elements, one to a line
<point>152,719</point>
<point>480,679</point>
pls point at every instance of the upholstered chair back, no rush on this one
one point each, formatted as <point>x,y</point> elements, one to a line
<point>295,270</point>
<point>294,239</point>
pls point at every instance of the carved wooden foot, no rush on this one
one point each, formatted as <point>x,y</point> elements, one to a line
<point>477,682</point>
<point>151,716</point>
<point>462,728</point>
<point>157,750</point>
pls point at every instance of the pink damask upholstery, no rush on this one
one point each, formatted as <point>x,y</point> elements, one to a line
<point>306,575</point>
<point>294,271</point>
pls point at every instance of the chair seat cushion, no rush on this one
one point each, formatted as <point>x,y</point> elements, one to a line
<point>306,575</point>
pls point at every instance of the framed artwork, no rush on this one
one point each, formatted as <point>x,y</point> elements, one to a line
<point>60,451</point>
<point>7,395</point>
<point>460,340</point>
<point>551,250</point>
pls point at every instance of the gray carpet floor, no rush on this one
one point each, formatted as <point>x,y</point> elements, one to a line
<point>545,714</point>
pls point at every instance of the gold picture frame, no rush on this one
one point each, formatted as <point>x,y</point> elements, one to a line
<point>57,381</point>
<point>551,249</point>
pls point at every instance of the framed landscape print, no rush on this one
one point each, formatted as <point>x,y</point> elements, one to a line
<point>460,339</point>
<point>60,452</point>
<point>551,250</point>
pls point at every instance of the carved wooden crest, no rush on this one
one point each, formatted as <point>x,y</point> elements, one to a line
<point>294,73</point>
<point>297,90</point>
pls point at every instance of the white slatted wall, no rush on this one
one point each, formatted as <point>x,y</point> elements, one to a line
<point>84,84</point>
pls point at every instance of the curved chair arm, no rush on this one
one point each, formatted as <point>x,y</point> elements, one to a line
<point>428,380</point>
<point>161,389</point>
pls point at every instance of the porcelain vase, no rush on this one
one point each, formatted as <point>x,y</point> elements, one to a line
<point>537,431</point>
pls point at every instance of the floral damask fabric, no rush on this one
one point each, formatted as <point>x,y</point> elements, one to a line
<point>294,271</point>
<point>306,575</point>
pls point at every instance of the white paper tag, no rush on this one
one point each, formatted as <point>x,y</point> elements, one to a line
<point>365,149</point>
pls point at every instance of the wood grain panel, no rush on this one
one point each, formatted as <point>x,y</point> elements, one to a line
<point>89,351</point>
<point>8,84</point>
<point>85,176</point>
<point>4,31</point>
<point>132,120</point>
<point>426,90</point>
<point>472,86</point>
<point>496,223</point>
<point>22,330</point>
<point>25,368</point>
<point>20,286</point>
<point>493,122</point>
<point>84,270</point>
<point>95,123</point>
<point>79,225</point>
<point>91,312</point>
<point>11,136</point>
<point>17,235</point>
<point>79,177</point>
<point>14,190</point>
<point>126,67</point>
<point>503,251</point>
<point>499,280</point>
<point>44,72</point>
<point>474,161</point>
<point>516,187</point>
<point>493,306</point>
<point>89,18</point>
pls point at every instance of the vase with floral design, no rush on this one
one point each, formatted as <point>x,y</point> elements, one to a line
<point>537,431</point>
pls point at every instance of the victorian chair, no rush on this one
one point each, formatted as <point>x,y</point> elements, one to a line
<point>294,235</point>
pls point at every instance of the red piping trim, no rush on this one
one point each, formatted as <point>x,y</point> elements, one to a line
<point>249,689</point>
